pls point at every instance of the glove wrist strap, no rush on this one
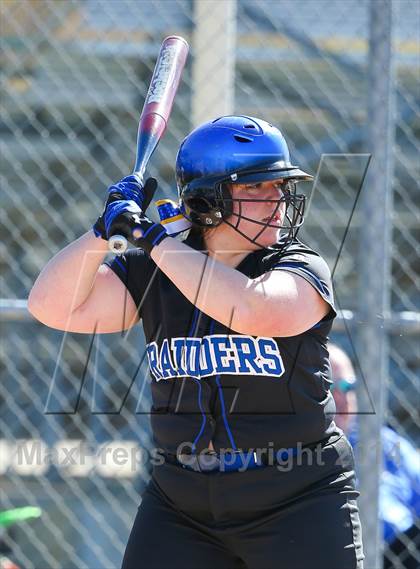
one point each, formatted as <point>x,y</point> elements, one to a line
<point>151,235</point>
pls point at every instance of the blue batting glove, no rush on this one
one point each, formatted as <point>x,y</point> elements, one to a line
<point>124,217</point>
<point>128,189</point>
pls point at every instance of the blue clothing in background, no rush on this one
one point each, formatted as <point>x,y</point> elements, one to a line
<point>399,491</point>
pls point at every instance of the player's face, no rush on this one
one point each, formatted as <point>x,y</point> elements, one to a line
<point>270,210</point>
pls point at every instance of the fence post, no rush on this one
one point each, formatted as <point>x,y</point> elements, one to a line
<point>375,272</point>
<point>213,74</point>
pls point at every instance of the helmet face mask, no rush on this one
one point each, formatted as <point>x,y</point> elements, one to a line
<point>210,203</point>
<point>293,216</point>
<point>213,157</point>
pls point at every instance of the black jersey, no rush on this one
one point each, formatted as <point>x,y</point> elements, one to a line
<point>210,383</point>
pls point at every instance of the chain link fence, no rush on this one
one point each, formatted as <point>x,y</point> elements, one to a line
<point>74,76</point>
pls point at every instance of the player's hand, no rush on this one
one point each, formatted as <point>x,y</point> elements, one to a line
<point>129,189</point>
<point>125,217</point>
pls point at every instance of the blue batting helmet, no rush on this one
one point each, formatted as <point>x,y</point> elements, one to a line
<point>232,149</point>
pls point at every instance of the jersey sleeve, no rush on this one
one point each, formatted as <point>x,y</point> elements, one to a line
<point>303,261</point>
<point>135,269</point>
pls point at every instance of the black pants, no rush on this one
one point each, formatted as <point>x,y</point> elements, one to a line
<point>268,518</point>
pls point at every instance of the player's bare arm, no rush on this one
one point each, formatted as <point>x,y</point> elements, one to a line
<point>276,304</point>
<point>76,293</point>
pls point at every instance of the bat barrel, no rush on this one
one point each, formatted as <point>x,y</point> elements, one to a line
<point>166,77</point>
<point>159,99</point>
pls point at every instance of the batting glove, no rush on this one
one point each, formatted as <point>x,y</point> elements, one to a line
<point>129,189</point>
<point>124,217</point>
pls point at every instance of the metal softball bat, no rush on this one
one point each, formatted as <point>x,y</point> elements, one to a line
<point>156,111</point>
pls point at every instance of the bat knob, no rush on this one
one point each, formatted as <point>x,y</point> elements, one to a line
<point>117,244</point>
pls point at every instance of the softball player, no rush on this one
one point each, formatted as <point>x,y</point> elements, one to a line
<point>254,472</point>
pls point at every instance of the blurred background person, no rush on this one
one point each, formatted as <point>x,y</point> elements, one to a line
<point>399,491</point>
